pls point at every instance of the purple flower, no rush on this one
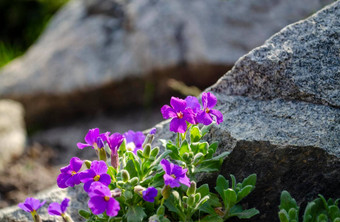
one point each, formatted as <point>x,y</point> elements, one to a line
<point>101,200</point>
<point>180,113</point>
<point>174,174</point>
<point>153,131</point>
<point>114,141</point>
<point>93,139</point>
<point>31,205</point>
<point>149,194</point>
<point>193,103</point>
<point>97,172</point>
<point>207,115</point>
<point>134,140</point>
<point>69,176</point>
<point>57,209</point>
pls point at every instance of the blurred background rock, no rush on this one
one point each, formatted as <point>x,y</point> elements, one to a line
<point>111,64</point>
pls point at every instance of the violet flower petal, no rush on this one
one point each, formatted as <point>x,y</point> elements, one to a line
<point>166,166</point>
<point>178,104</point>
<point>193,103</point>
<point>23,207</point>
<point>218,115</point>
<point>82,145</point>
<point>64,205</point>
<point>168,112</point>
<point>178,125</point>
<point>87,175</point>
<point>91,136</point>
<point>208,100</point>
<point>99,167</point>
<point>76,163</point>
<point>105,179</point>
<point>112,207</point>
<point>54,209</point>
<point>204,118</point>
<point>97,204</point>
<point>189,115</point>
<point>153,131</point>
<point>149,194</point>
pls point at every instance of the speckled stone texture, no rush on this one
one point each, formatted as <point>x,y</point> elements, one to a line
<point>105,48</point>
<point>12,131</point>
<point>281,116</point>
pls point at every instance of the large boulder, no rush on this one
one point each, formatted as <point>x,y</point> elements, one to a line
<point>281,117</point>
<point>12,131</point>
<point>105,54</point>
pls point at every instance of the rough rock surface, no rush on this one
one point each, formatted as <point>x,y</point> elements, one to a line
<point>12,131</point>
<point>123,49</point>
<point>280,121</point>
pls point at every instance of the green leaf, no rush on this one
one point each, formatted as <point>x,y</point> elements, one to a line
<point>195,134</point>
<point>184,148</point>
<point>333,212</point>
<point>233,182</point>
<point>171,205</point>
<point>307,216</point>
<point>205,129</point>
<point>246,214</point>
<point>230,197</point>
<point>212,218</point>
<point>322,218</point>
<point>293,214</point>
<point>174,154</point>
<point>244,192</point>
<point>208,166</point>
<point>84,214</point>
<point>203,190</point>
<point>287,202</point>
<point>283,215</point>
<point>250,180</point>
<point>212,150</point>
<point>159,158</point>
<point>135,214</point>
<point>130,167</point>
<point>221,184</point>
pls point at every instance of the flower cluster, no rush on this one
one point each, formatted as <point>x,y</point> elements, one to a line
<point>138,180</point>
<point>190,110</point>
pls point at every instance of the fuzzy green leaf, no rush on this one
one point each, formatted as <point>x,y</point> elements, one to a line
<point>135,214</point>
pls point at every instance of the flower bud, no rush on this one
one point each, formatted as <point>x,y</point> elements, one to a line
<point>134,181</point>
<point>166,192</point>
<point>148,140</point>
<point>191,200</point>
<point>88,164</point>
<point>186,156</point>
<point>140,154</point>
<point>102,154</point>
<point>139,190</point>
<point>192,188</point>
<point>147,150</point>
<point>116,193</point>
<point>198,157</point>
<point>114,160</point>
<point>160,210</point>
<point>125,176</point>
<point>154,151</point>
<point>197,197</point>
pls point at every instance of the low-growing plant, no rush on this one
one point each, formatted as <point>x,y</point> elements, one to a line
<point>318,210</point>
<point>140,182</point>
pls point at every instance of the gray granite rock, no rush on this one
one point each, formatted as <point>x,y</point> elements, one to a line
<point>96,48</point>
<point>78,201</point>
<point>12,131</point>
<point>280,121</point>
